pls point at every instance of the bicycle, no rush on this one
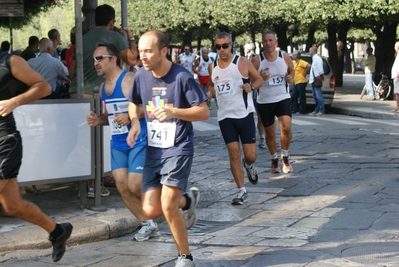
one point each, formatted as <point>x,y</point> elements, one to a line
<point>382,90</point>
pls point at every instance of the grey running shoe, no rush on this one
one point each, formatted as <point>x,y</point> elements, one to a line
<point>104,191</point>
<point>90,192</point>
<point>240,199</point>
<point>182,261</point>
<point>59,242</point>
<point>190,215</point>
<point>146,232</point>
<point>251,172</point>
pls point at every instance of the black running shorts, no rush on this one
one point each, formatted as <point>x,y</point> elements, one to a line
<point>10,155</point>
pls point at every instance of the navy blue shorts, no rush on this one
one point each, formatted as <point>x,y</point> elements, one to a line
<point>234,130</point>
<point>269,111</point>
<point>10,155</point>
<point>172,171</point>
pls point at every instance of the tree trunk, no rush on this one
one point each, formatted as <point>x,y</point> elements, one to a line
<point>333,53</point>
<point>384,49</point>
<point>281,32</point>
<point>310,39</point>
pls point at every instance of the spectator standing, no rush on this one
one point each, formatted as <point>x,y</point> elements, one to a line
<point>71,49</point>
<point>103,32</point>
<point>55,36</point>
<point>126,162</point>
<point>187,58</point>
<point>172,99</point>
<point>301,68</point>
<point>369,69</point>
<point>50,68</point>
<point>395,77</point>
<point>317,72</point>
<point>15,68</point>
<point>274,99</point>
<point>201,65</point>
<point>30,51</point>
<point>5,46</point>
<point>233,78</point>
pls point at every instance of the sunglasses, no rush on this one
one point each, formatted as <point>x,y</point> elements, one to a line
<point>224,46</point>
<point>99,58</point>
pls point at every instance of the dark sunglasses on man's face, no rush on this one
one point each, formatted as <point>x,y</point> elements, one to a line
<point>225,46</point>
<point>98,58</point>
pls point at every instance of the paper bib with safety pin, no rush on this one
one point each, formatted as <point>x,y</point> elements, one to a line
<point>161,134</point>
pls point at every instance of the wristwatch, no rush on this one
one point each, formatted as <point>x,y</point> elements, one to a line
<point>252,87</point>
<point>132,39</point>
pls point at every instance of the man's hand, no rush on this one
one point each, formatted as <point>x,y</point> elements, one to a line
<point>163,113</point>
<point>92,120</point>
<point>288,78</point>
<point>6,107</point>
<point>122,119</point>
<point>133,133</point>
<point>246,87</point>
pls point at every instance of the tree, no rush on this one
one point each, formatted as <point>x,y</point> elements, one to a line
<point>31,9</point>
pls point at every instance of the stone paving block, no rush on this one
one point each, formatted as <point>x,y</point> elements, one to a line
<point>277,260</point>
<point>337,190</point>
<point>274,218</point>
<point>233,241</point>
<point>224,215</point>
<point>303,189</point>
<point>326,213</point>
<point>236,231</point>
<point>311,222</point>
<point>309,203</point>
<point>286,233</point>
<point>353,219</point>
<point>238,254</point>
<point>282,243</point>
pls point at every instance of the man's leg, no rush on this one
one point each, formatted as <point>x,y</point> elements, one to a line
<point>233,149</point>
<point>320,100</point>
<point>294,97</point>
<point>129,186</point>
<point>302,98</point>
<point>285,132</point>
<point>170,199</point>
<point>316,102</point>
<point>14,205</point>
<point>271,138</point>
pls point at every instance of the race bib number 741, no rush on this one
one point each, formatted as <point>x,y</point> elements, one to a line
<point>160,134</point>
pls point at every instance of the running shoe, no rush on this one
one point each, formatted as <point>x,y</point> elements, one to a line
<point>190,215</point>
<point>262,143</point>
<point>91,192</point>
<point>146,232</point>
<point>59,242</point>
<point>287,167</point>
<point>251,172</point>
<point>275,167</point>
<point>240,199</point>
<point>182,261</point>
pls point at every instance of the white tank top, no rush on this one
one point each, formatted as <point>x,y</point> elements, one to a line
<point>203,66</point>
<point>276,88</point>
<point>187,61</point>
<point>233,101</point>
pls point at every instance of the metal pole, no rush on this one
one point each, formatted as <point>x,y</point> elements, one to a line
<point>11,36</point>
<point>124,15</point>
<point>79,49</point>
<point>98,155</point>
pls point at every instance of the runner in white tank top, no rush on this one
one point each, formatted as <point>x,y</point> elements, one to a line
<point>231,78</point>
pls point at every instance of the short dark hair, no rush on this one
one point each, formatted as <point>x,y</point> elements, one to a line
<point>52,34</point>
<point>5,46</point>
<point>161,39</point>
<point>104,14</point>
<point>33,40</point>
<point>112,50</point>
<point>72,35</point>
